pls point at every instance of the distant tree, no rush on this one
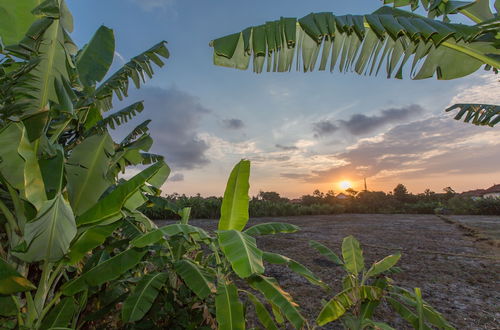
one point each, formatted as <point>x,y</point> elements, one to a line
<point>401,193</point>
<point>449,193</point>
<point>270,196</point>
<point>428,192</point>
<point>449,190</point>
<point>318,194</point>
<point>351,192</point>
<point>330,197</point>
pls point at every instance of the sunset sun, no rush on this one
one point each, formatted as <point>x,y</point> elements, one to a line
<point>345,184</point>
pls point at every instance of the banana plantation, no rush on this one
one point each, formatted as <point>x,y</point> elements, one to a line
<point>76,252</point>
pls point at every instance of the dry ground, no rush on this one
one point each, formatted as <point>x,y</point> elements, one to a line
<point>465,289</point>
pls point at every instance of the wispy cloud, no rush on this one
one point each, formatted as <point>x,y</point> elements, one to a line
<point>233,123</point>
<point>484,89</point>
<point>324,128</point>
<point>360,124</point>
<point>149,5</point>
<point>286,148</point>
<point>177,177</point>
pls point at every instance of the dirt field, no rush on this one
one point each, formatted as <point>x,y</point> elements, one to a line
<point>465,289</point>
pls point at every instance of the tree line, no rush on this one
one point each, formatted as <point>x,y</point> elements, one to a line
<point>272,204</point>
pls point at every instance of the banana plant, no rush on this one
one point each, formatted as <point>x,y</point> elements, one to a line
<point>364,290</point>
<point>61,199</point>
<point>216,277</point>
<point>389,39</point>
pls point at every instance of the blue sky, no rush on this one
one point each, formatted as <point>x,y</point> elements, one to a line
<point>301,131</point>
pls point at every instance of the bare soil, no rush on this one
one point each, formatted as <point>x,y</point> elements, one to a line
<point>441,258</point>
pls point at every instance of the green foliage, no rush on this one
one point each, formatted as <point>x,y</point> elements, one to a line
<point>477,114</point>
<point>389,37</point>
<point>69,219</point>
<point>364,290</point>
<point>139,302</point>
<point>234,209</point>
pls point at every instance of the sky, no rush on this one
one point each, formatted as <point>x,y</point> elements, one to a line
<point>301,131</point>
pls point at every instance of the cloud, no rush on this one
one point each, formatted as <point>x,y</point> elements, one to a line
<point>286,148</point>
<point>233,123</point>
<point>176,177</point>
<point>176,116</point>
<point>436,146</point>
<point>149,5</point>
<point>485,89</point>
<point>360,124</point>
<point>221,148</point>
<point>324,128</point>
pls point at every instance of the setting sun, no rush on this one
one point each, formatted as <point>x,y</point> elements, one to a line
<point>345,184</point>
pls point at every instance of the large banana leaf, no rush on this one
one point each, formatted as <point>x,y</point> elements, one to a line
<point>52,169</point>
<point>61,315</point>
<point>242,252</point>
<point>95,58</point>
<point>195,278</point>
<point>361,43</point>
<point>383,265</point>
<point>262,313</point>
<point>271,228</point>
<point>275,294</point>
<point>34,189</point>
<point>477,114</point>
<point>11,281</point>
<point>430,314</point>
<point>139,302</point>
<point>16,19</point>
<point>49,235</point>
<point>295,266</point>
<point>343,301</point>
<point>234,209</point>
<point>8,305</point>
<point>105,271</point>
<point>86,170</point>
<point>228,308</point>
<point>325,251</point>
<point>111,205</point>
<point>49,38</point>
<point>138,66</point>
<point>353,255</point>
<point>170,230</point>
<point>12,164</point>
<point>404,312</point>
<point>478,10</point>
<point>90,239</point>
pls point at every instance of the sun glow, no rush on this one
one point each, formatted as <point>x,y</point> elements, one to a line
<point>345,184</point>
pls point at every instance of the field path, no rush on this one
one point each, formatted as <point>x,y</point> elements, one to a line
<point>465,289</point>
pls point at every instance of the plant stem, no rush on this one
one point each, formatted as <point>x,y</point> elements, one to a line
<point>31,314</point>
<point>47,308</point>
<point>43,287</point>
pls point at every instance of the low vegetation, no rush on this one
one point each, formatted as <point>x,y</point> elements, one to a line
<point>271,204</point>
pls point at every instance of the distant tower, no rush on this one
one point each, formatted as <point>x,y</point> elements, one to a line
<point>366,189</point>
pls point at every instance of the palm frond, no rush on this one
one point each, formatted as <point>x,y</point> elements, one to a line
<point>136,69</point>
<point>120,117</point>
<point>478,10</point>
<point>149,158</point>
<point>142,128</point>
<point>477,114</point>
<point>361,43</point>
